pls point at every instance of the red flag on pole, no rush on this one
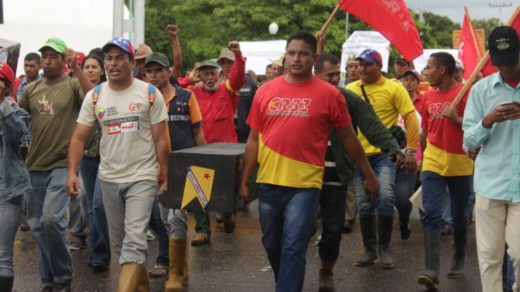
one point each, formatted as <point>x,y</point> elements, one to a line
<point>392,19</point>
<point>469,50</point>
<point>515,23</point>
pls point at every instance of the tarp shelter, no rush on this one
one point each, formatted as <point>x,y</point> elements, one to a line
<point>9,53</point>
<point>83,25</point>
<point>359,40</point>
<point>421,61</point>
<point>259,54</point>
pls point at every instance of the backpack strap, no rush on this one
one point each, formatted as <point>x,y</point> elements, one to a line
<point>95,95</point>
<point>151,94</point>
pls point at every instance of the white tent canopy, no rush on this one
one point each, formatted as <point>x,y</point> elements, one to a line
<point>259,54</point>
<point>83,25</point>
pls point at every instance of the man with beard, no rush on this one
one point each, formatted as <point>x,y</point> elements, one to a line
<point>218,104</point>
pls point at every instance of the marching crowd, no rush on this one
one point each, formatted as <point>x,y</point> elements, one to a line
<point>84,146</point>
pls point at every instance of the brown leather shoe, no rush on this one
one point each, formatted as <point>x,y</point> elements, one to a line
<point>200,239</point>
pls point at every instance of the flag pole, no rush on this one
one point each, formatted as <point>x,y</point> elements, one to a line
<point>479,67</point>
<point>329,21</point>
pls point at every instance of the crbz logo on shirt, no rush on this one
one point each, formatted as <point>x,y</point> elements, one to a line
<point>435,109</point>
<point>135,107</point>
<point>285,104</point>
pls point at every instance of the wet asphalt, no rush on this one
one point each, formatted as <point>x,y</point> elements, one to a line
<point>237,262</point>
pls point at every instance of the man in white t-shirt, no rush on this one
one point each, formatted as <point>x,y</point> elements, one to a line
<point>132,116</point>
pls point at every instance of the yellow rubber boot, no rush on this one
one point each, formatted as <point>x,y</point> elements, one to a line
<point>133,278</point>
<point>178,261</point>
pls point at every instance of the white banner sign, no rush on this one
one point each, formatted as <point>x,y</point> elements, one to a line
<point>359,41</point>
<point>261,53</point>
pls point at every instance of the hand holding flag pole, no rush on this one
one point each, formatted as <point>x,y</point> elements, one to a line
<point>329,21</point>
<point>480,65</point>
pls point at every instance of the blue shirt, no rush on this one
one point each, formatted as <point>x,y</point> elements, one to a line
<point>497,167</point>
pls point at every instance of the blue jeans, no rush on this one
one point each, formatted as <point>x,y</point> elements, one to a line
<point>157,225</point>
<point>333,203</point>
<point>99,240</point>
<point>404,189</point>
<point>46,207</point>
<point>446,208</point>
<point>10,212</point>
<point>385,170</point>
<point>434,188</point>
<point>287,216</point>
<point>446,205</point>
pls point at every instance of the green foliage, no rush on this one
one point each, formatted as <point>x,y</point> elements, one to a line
<point>206,26</point>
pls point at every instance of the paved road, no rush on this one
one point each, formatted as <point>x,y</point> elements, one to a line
<point>237,262</point>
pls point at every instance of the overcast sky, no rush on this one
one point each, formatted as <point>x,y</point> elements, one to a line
<point>454,9</point>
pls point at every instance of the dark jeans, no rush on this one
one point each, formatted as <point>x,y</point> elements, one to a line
<point>333,204</point>
<point>157,225</point>
<point>287,218</point>
<point>384,170</point>
<point>202,224</point>
<point>99,240</point>
<point>434,187</point>
<point>404,189</point>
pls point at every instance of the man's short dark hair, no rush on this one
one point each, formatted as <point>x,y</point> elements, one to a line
<point>329,58</point>
<point>32,57</point>
<point>268,66</point>
<point>446,60</point>
<point>305,36</point>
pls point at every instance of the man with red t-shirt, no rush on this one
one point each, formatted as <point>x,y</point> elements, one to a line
<point>218,104</point>
<point>444,164</point>
<point>291,164</point>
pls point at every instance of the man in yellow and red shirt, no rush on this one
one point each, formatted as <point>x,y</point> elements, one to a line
<point>445,164</point>
<point>290,120</point>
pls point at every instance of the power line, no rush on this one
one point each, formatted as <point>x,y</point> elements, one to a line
<point>500,7</point>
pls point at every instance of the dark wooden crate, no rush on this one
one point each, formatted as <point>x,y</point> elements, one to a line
<point>225,159</point>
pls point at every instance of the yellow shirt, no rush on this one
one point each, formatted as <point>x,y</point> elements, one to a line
<point>389,100</point>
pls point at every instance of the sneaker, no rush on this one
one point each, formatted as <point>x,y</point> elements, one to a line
<point>149,235</point>
<point>76,246</point>
<point>347,227</point>
<point>446,229</point>
<point>200,239</point>
<point>219,217</point>
<point>24,226</point>
<point>326,281</point>
<point>229,223</point>
<point>405,231</point>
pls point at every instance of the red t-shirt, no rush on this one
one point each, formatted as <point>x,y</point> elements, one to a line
<point>293,120</point>
<point>513,83</point>
<point>444,153</point>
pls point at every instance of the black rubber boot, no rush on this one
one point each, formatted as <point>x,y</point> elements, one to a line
<point>459,243</point>
<point>6,284</point>
<point>384,237</point>
<point>368,232</point>
<point>430,276</point>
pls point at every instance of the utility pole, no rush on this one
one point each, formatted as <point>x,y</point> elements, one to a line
<point>500,6</point>
<point>134,25</point>
<point>421,16</point>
